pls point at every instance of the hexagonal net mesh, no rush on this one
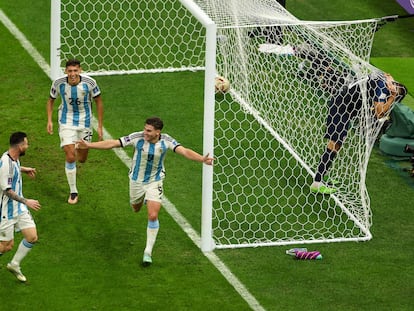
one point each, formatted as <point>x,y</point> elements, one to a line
<point>285,76</point>
<point>120,36</point>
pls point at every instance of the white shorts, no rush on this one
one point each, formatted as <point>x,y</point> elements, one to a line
<point>21,222</point>
<point>70,135</point>
<point>138,192</point>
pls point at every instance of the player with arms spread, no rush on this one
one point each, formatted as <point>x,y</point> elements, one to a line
<point>147,171</point>
<point>75,117</point>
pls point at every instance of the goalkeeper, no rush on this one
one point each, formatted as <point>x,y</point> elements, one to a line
<point>382,92</point>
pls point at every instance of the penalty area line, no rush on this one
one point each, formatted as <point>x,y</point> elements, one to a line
<point>169,207</point>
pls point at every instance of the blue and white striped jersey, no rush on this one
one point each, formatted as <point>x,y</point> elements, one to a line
<point>148,160</point>
<point>10,178</point>
<point>76,107</point>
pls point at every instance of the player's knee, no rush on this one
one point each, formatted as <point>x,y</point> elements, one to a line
<point>82,160</point>
<point>32,239</point>
<point>70,158</point>
<point>152,216</point>
<point>6,246</point>
<point>136,206</point>
<point>82,156</point>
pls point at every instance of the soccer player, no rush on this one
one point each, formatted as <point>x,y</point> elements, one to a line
<point>147,171</point>
<point>272,34</point>
<point>14,212</point>
<point>75,117</point>
<point>382,92</point>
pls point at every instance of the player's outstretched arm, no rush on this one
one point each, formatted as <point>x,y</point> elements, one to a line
<point>104,144</point>
<point>192,155</point>
<point>31,171</point>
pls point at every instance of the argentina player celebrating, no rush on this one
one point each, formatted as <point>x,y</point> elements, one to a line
<point>75,117</point>
<point>147,171</point>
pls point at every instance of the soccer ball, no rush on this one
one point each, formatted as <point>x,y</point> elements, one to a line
<point>222,85</point>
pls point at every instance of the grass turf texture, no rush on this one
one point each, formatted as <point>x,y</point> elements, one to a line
<point>88,255</point>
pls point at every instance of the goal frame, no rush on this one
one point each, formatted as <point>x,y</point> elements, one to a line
<point>207,243</point>
<point>212,34</point>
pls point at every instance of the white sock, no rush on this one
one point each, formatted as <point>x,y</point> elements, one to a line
<point>23,249</point>
<point>152,231</point>
<point>70,170</point>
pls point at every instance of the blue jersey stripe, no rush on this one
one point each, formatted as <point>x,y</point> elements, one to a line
<point>63,118</point>
<point>150,162</point>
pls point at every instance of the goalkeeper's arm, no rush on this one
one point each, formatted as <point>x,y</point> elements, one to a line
<point>382,109</point>
<point>397,93</point>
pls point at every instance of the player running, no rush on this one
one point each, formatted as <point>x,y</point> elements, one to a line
<point>74,117</point>
<point>147,172</point>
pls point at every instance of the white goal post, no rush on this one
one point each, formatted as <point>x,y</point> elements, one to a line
<point>267,132</point>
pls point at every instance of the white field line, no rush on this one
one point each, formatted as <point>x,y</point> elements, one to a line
<point>169,207</point>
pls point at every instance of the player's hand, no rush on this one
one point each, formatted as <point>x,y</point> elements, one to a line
<point>208,160</point>
<point>81,144</point>
<point>390,83</point>
<point>49,128</point>
<point>33,204</point>
<point>30,171</point>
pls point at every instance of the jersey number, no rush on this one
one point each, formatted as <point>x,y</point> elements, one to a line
<point>73,101</point>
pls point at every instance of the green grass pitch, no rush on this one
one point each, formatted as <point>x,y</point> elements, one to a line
<point>88,255</point>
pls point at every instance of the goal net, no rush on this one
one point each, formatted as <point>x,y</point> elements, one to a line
<point>268,130</point>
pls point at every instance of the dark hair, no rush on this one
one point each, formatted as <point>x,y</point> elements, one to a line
<point>155,122</point>
<point>401,92</point>
<point>73,62</point>
<point>17,138</point>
